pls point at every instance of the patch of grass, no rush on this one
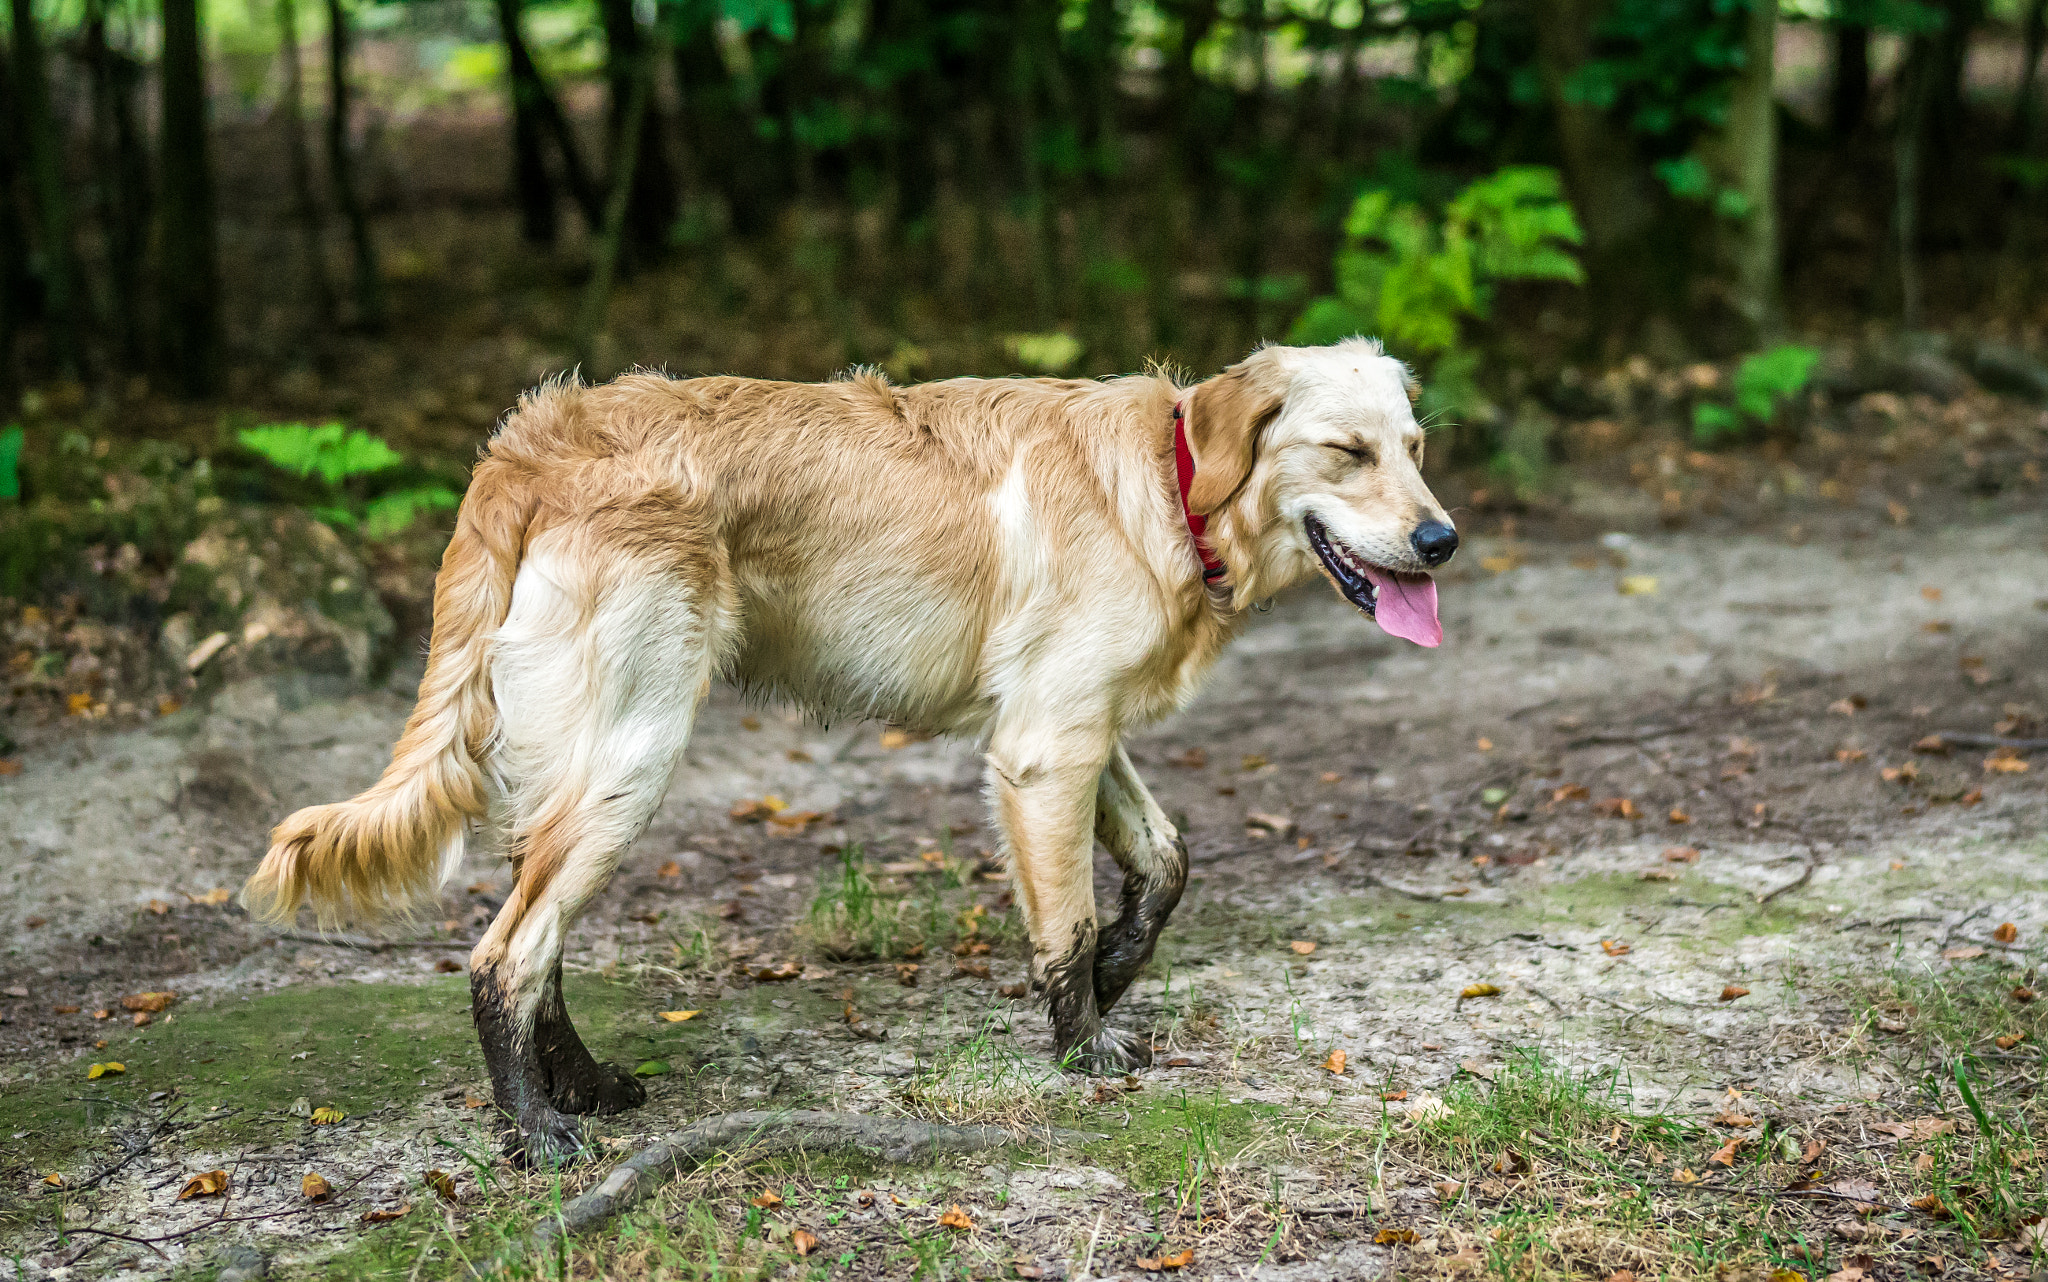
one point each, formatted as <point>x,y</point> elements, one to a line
<point>852,920</point>
<point>1533,1103</point>
<point>984,1079</point>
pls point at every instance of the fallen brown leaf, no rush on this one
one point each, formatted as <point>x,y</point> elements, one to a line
<point>1679,816</point>
<point>1681,855</point>
<point>2009,1041</point>
<point>1734,1119</point>
<point>1396,1237</point>
<point>1725,1155</point>
<point>314,1187</point>
<point>669,869</point>
<point>778,973</point>
<point>2006,933</point>
<point>442,1183</point>
<point>386,1217</point>
<point>1164,1263</point>
<point>328,1115</point>
<point>1303,946</point>
<point>973,969</point>
<point>1470,991</point>
<point>148,1001</point>
<point>205,1184</point>
<point>955,1218</point>
<point>212,898</point>
<point>1616,808</point>
<point>678,1016</point>
<point>1335,1063</point>
<point>1733,991</point>
<point>1684,1175</point>
<point>803,1241</point>
<point>1393,1096</point>
<point>1615,948</point>
<point>1963,952</point>
<point>767,1199</point>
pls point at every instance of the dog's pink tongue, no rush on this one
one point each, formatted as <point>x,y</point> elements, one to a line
<point>1406,606</point>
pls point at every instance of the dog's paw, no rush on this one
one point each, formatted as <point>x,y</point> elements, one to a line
<point>546,1140</point>
<point>599,1088</point>
<point>1110,1052</point>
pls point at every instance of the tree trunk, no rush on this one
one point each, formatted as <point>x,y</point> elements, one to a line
<point>1747,161</point>
<point>651,203</point>
<point>188,291</point>
<point>597,294</point>
<point>1908,143</point>
<point>1601,171</point>
<point>532,189</point>
<point>299,160</point>
<point>122,164</point>
<point>2023,134</point>
<point>341,173</point>
<point>63,294</point>
<point>15,285</point>
<point>1849,91</point>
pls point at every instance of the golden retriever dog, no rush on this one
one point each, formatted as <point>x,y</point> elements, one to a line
<point>1045,564</point>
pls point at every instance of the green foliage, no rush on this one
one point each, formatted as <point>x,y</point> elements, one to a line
<point>1415,281</point>
<point>335,456</point>
<point>330,450</point>
<point>1051,353</point>
<point>11,439</point>
<point>1763,383</point>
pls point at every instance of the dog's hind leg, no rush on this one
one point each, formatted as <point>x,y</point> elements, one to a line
<point>597,673</point>
<point>1145,844</point>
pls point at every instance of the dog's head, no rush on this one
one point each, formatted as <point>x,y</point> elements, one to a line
<point>1310,457</point>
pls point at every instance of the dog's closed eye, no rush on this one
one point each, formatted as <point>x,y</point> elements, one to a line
<point>1365,455</point>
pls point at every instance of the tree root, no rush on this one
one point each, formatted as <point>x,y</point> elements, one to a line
<point>757,1134</point>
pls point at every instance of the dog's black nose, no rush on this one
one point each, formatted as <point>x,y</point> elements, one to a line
<point>1434,542</point>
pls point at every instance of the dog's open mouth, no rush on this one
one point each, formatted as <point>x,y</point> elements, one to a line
<point>1403,604</point>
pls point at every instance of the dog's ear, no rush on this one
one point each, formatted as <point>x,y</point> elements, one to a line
<point>1224,417</point>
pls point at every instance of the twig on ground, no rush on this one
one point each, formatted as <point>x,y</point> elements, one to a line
<point>1961,740</point>
<point>1805,875</point>
<point>1642,734</point>
<point>144,1147</point>
<point>374,945</point>
<point>1426,896</point>
<point>896,1139</point>
<point>1736,1191</point>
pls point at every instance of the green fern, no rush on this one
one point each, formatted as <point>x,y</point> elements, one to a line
<point>1763,382</point>
<point>10,461</point>
<point>1415,281</point>
<point>336,454</point>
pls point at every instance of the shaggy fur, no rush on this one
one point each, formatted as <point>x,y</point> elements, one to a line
<point>1001,558</point>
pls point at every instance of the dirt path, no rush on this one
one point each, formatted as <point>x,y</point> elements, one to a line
<point>1486,845</point>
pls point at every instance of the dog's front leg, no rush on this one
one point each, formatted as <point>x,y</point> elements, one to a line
<point>1044,786</point>
<point>1148,848</point>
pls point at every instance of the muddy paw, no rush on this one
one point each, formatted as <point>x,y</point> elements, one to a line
<point>602,1088</point>
<point>546,1139</point>
<point>1110,1052</point>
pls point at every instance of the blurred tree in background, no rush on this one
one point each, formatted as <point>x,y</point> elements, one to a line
<point>1145,177</point>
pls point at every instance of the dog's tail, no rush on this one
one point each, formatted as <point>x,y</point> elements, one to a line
<point>385,852</point>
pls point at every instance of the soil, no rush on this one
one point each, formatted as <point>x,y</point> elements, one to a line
<point>1643,772</point>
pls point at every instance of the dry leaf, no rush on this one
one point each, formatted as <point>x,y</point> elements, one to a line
<point>1276,825</point>
<point>906,974</point>
<point>1396,1237</point>
<point>442,1183</point>
<point>101,1070</point>
<point>328,1115</point>
<point>218,895</point>
<point>1734,1119</point>
<point>1478,990</point>
<point>148,1001</point>
<point>1449,1190</point>
<point>385,1217</point>
<point>669,869</point>
<point>1636,585</point>
<point>1659,874</point>
<point>1681,855</point>
<point>1725,1155</point>
<point>1615,948</point>
<point>1621,1275</point>
<point>1393,1096</point>
<point>315,1188</point>
<point>1616,808</point>
<point>1484,744</point>
<point>1177,1260</point>
<point>2023,994</point>
<point>2006,933</point>
<point>1335,1063</point>
<point>1303,946</point>
<point>778,973</point>
<point>751,811</point>
<point>2009,1041</point>
<point>1850,754</point>
<point>1684,1175</point>
<point>767,1198</point>
<point>678,1016</point>
<point>1570,792</point>
<point>207,1184</point>
<point>1924,1162</point>
<point>804,1241</point>
<point>54,1179</point>
<point>1964,952</point>
<point>1733,991</point>
<point>1931,1204</point>
<point>1679,816</point>
<point>975,969</point>
<point>955,1218</point>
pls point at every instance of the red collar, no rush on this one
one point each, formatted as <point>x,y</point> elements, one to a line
<point>1184,472</point>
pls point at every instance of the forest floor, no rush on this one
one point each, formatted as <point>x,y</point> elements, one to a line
<point>1639,930</point>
